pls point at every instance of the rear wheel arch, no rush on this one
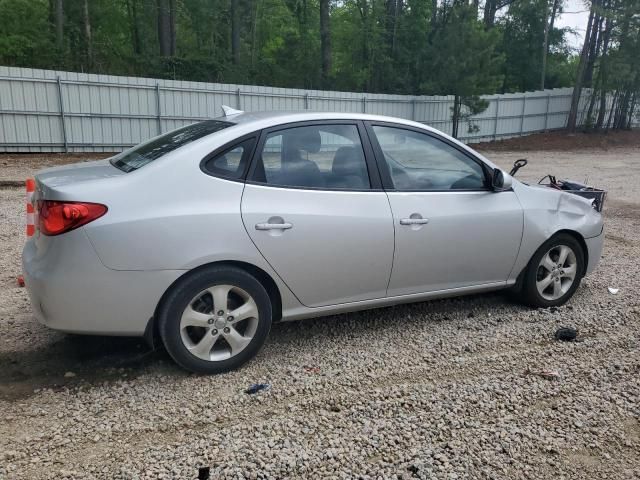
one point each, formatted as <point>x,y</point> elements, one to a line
<point>152,333</point>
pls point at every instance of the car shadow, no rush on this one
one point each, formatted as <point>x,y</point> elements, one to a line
<point>72,360</point>
<point>78,360</point>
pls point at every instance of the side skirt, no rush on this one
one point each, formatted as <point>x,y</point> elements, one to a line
<point>300,313</point>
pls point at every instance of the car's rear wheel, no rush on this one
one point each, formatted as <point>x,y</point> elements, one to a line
<point>554,272</point>
<point>215,319</point>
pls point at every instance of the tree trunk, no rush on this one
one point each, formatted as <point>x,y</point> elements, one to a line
<point>548,27</point>
<point>235,32</point>
<point>172,27</point>
<point>602,73</point>
<point>455,118</point>
<point>393,8</point>
<point>434,14</point>
<point>577,88</point>
<point>325,42</point>
<point>490,9</point>
<point>132,9</point>
<point>164,27</point>
<point>60,24</point>
<point>594,47</point>
<point>602,109</point>
<point>620,121</point>
<point>632,109</point>
<point>614,103</point>
<point>592,103</point>
<point>87,32</point>
<point>254,32</point>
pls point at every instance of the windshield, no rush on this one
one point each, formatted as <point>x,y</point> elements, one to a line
<point>147,152</point>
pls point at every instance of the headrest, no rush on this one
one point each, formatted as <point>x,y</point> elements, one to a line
<point>348,161</point>
<point>304,138</point>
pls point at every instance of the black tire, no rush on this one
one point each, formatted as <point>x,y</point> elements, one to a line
<point>529,294</point>
<point>183,293</point>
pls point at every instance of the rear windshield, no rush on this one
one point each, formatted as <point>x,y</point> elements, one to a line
<point>147,152</point>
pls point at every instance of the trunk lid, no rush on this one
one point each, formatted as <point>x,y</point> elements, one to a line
<point>56,177</point>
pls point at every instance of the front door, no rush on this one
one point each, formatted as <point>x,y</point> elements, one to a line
<point>316,214</point>
<point>451,229</point>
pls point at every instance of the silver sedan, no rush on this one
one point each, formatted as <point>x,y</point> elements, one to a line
<point>204,236</point>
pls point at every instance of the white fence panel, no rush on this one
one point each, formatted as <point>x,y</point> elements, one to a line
<point>51,111</point>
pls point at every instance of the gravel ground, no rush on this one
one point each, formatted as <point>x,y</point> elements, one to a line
<point>445,389</point>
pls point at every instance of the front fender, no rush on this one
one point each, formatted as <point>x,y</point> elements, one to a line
<point>548,211</point>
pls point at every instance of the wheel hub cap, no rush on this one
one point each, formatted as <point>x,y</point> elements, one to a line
<point>556,272</point>
<point>219,322</point>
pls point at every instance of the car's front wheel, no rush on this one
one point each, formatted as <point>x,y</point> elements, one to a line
<point>554,272</point>
<point>215,319</point>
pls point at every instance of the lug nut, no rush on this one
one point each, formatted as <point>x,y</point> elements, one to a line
<point>230,318</point>
<point>220,313</point>
<point>227,330</point>
<point>210,321</point>
<point>214,332</point>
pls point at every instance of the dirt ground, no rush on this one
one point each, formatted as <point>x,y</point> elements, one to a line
<point>561,141</point>
<point>445,389</point>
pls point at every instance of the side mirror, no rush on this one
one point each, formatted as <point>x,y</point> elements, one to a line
<point>501,181</point>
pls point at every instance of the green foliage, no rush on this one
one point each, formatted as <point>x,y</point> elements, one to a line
<point>24,37</point>
<point>523,27</point>
<point>462,58</point>
<point>374,48</point>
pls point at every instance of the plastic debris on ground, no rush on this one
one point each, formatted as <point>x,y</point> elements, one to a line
<point>258,387</point>
<point>20,280</point>
<point>566,334</point>
<point>548,374</point>
<point>613,291</point>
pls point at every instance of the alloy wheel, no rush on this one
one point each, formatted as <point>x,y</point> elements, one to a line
<point>219,322</point>
<point>556,272</point>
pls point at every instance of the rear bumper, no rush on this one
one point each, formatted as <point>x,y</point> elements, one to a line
<point>72,291</point>
<point>594,251</point>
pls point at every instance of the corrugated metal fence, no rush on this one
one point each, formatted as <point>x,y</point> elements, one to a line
<point>51,111</point>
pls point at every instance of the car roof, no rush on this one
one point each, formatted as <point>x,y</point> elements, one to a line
<point>281,117</point>
<point>251,121</point>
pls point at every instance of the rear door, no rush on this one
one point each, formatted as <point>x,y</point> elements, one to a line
<point>314,207</point>
<point>452,229</point>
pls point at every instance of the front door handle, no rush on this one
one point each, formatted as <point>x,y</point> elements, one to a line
<point>414,221</point>
<point>273,226</point>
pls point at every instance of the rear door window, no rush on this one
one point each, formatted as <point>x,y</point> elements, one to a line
<point>315,156</point>
<point>147,152</point>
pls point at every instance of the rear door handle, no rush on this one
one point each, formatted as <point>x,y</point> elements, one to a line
<point>414,221</point>
<point>273,226</point>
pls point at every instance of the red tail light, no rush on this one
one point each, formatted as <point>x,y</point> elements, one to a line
<point>55,218</point>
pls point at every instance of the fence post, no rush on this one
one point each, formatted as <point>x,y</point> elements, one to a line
<point>413,109</point>
<point>158,111</point>
<point>62,120</point>
<point>524,109</point>
<point>238,99</point>
<point>306,101</point>
<point>546,113</point>
<point>364,104</point>
<point>496,118</point>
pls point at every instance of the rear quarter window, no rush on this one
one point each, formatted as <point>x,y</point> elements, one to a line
<point>232,162</point>
<point>147,152</point>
